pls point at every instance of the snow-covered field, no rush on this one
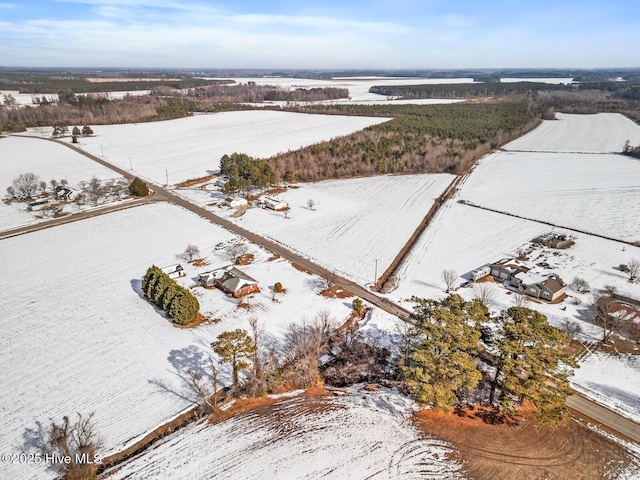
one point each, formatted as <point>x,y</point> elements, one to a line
<point>24,99</point>
<point>355,223</point>
<point>358,86</point>
<point>362,435</point>
<point>191,147</point>
<point>597,193</point>
<point>47,160</point>
<point>82,338</point>
<point>612,380</point>
<point>600,133</point>
<point>553,81</point>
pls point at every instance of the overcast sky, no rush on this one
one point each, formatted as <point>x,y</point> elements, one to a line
<point>322,34</point>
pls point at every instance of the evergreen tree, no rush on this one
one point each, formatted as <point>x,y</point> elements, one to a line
<point>530,364</point>
<point>167,297</point>
<point>235,348</point>
<point>442,362</point>
<point>138,188</point>
<point>160,287</point>
<point>152,272</point>
<point>154,276</point>
<point>86,130</point>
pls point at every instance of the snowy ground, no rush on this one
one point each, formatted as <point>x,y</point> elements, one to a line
<point>612,380</point>
<point>191,147</point>
<point>27,98</point>
<point>47,160</point>
<point>598,193</point>
<point>600,133</point>
<point>357,436</point>
<point>595,192</point>
<point>82,338</point>
<point>354,223</point>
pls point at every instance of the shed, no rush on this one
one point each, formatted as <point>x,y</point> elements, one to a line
<point>38,205</point>
<point>174,271</point>
<point>274,203</point>
<point>236,201</point>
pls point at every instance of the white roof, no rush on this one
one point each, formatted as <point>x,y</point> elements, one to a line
<point>529,278</point>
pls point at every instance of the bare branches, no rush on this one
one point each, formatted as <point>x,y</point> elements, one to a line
<point>449,277</point>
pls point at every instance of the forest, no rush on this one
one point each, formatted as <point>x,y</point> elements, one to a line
<point>419,138</point>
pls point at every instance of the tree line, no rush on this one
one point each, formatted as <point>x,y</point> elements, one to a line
<point>252,93</point>
<point>245,173</point>
<point>177,301</point>
<point>456,356</point>
<point>419,138</point>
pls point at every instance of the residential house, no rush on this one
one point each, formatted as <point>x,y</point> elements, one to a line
<point>230,280</point>
<point>174,271</point>
<point>503,269</point>
<point>549,288</point>
<point>274,203</point>
<point>66,193</point>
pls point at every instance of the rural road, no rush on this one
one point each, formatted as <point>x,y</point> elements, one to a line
<point>605,416</point>
<point>581,404</point>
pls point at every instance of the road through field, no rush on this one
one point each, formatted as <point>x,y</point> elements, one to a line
<point>583,405</point>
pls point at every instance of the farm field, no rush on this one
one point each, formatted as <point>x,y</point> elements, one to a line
<point>359,435</point>
<point>600,133</point>
<point>594,193</point>
<point>354,222</point>
<point>187,148</point>
<point>87,341</point>
<point>463,238</point>
<point>47,160</point>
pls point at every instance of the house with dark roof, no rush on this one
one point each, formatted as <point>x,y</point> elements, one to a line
<point>230,280</point>
<point>546,287</point>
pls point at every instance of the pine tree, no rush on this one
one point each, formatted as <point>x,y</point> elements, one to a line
<point>155,274</point>
<point>235,348</point>
<point>75,131</point>
<point>152,271</point>
<point>442,363</point>
<point>160,287</point>
<point>138,188</point>
<point>530,364</point>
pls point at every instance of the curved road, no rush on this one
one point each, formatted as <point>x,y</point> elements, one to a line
<point>577,402</point>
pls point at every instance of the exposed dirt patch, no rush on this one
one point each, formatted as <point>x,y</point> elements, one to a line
<point>274,191</point>
<point>273,258</point>
<point>194,181</point>
<point>200,262</point>
<point>519,447</point>
<point>245,259</point>
<point>336,292</point>
<point>200,319</point>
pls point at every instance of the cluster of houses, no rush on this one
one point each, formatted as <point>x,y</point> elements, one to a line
<point>266,202</point>
<point>229,279</point>
<point>547,287</point>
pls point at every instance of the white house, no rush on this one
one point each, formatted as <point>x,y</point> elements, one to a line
<point>235,201</point>
<point>174,271</point>
<point>274,203</point>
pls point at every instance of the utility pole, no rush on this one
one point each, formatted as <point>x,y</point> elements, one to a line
<point>130,164</point>
<point>166,172</point>
<point>102,150</point>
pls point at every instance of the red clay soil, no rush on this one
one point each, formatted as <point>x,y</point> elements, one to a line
<point>336,292</point>
<point>497,447</point>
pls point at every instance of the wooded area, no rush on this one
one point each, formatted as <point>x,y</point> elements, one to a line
<point>420,138</point>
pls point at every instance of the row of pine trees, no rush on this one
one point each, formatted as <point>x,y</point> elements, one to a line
<point>177,301</point>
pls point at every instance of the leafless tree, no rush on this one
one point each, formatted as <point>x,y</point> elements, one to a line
<point>520,299</point>
<point>11,192</point>
<point>286,211</point>
<point>204,387</point>
<point>304,343</point>
<point>26,185</point>
<point>311,203</point>
<point>573,328</point>
<point>54,183</point>
<point>43,186</point>
<point>610,321</point>
<point>75,445</point>
<point>580,285</point>
<point>236,250</point>
<point>329,279</point>
<point>449,277</point>
<point>192,251</point>
<point>633,270</point>
<point>484,292</point>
